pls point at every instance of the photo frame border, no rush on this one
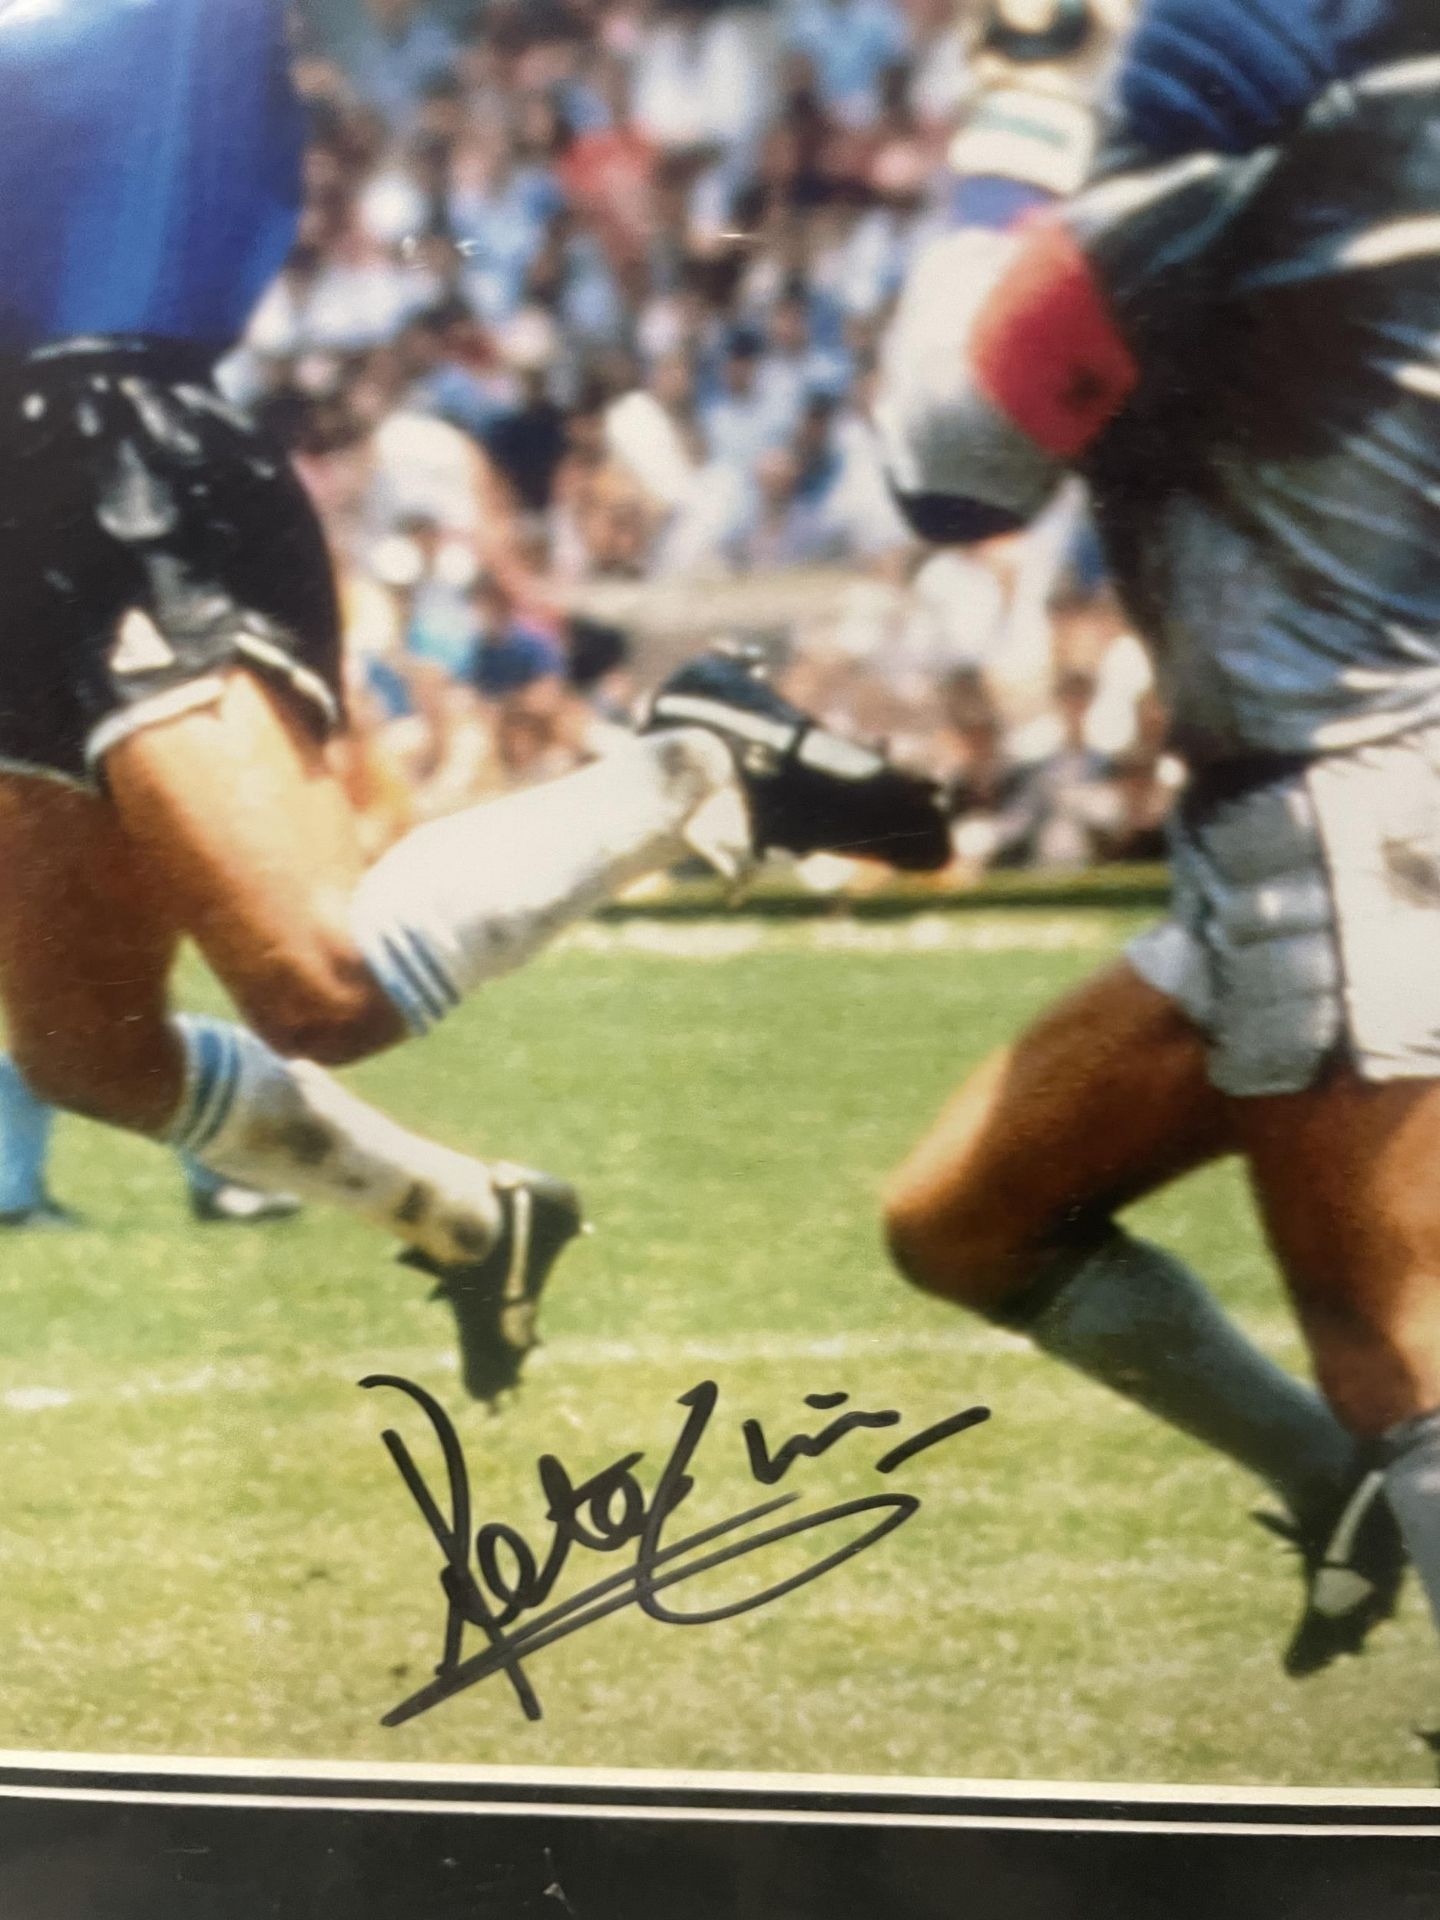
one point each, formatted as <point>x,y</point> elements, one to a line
<point>165,1837</point>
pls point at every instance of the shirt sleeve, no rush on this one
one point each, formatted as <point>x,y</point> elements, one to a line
<point>1231,75</point>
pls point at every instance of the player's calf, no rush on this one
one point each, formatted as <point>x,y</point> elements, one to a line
<point>489,1234</point>
<point>124,1073</point>
<point>1132,1318</point>
<point>1006,1207</point>
<point>276,1123</point>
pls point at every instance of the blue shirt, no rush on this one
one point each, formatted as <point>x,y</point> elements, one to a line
<point>1229,75</point>
<point>850,45</point>
<point>149,167</point>
<point>990,200</point>
<point>510,661</point>
<point>390,70</point>
<point>1270,495</point>
<point>500,233</point>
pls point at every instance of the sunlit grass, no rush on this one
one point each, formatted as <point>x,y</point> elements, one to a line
<point>206,1548</point>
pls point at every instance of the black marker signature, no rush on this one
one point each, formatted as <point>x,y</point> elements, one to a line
<point>610,1512</point>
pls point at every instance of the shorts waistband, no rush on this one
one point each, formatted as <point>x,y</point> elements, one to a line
<point>1213,786</point>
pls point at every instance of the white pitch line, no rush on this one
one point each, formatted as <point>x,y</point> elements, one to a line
<point>1272,1332</point>
<point>918,933</point>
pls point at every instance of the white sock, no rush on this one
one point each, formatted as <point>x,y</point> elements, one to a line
<point>287,1124</point>
<point>467,898</point>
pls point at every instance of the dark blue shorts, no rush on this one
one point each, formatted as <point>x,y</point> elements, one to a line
<point>149,538</point>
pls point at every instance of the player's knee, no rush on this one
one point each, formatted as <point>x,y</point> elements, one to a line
<point>954,1247</point>
<point>318,1000</point>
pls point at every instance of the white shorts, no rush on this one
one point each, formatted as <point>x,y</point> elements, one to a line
<point>1305,925</point>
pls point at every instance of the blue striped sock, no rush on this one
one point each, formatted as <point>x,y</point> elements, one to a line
<point>411,976</point>
<point>214,1055</point>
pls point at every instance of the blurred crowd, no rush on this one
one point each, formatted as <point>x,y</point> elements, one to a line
<point>588,295</point>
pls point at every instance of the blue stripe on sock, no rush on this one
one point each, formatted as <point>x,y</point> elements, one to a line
<point>429,967</point>
<point>407,986</point>
<point>416,1019</point>
<point>215,1050</point>
<point>227,1086</point>
<point>206,1055</point>
<point>204,1129</point>
<point>212,1059</point>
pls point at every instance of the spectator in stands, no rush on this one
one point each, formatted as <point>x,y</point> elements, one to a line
<point>509,652</point>
<point>702,84</point>
<point>407,201</point>
<point>1070,786</point>
<point>599,662</point>
<point>792,369</point>
<point>1141,800</point>
<point>1146,779</point>
<point>814,443</point>
<point>450,369</point>
<point>992,798</point>
<point>432,574</point>
<point>795,164</point>
<point>339,292</point>
<point>942,76</point>
<point>608,172</point>
<point>741,422</point>
<point>783,527</point>
<point>529,440</point>
<point>500,213</point>
<point>521,673</point>
<point>393,49</point>
<point>850,45</point>
<point>515,222</point>
<point>859,492</point>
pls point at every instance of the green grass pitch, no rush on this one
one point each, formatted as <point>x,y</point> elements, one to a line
<point>205,1548</point>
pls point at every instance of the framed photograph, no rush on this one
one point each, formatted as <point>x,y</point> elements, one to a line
<point>720,957</point>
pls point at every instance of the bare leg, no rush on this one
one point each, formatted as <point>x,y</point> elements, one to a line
<point>229,820</point>
<point>1103,1100</point>
<point>1007,1207</point>
<point>234,812</point>
<point>86,947</point>
<point>1344,1176</point>
<point>87,940</point>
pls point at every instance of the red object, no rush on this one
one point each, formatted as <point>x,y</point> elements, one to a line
<point>1046,349</point>
<point>608,175</point>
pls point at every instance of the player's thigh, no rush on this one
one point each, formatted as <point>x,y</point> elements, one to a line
<point>1104,1099</point>
<point>240,817</point>
<point>87,942</point>
<point>1347,1176</point>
